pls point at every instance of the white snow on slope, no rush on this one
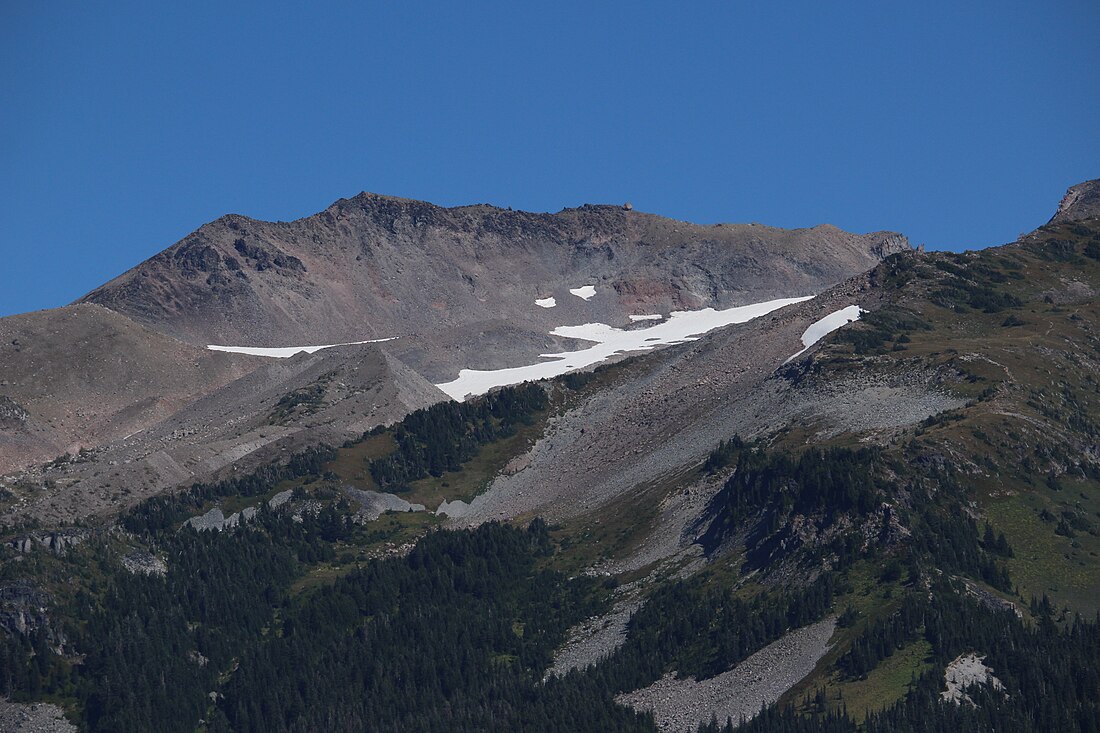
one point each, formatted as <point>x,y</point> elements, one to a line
<point>654,317</point>
<point>681,326</point>
<point>284,352</point>
<point>545,302</point>
<point>584,292</point>
<point>822,328</point>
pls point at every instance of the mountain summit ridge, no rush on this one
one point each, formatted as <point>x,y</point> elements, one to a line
<point>1081,201</point>
<point>377,266</point>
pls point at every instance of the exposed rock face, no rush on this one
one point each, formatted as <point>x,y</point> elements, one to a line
<point>22,607</point>
<point>376,266</point>
<point>12,414</point>
<point>1080,202</point>
<point>58,542</point>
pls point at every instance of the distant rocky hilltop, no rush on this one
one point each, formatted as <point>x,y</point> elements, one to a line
<point>1080,202</point>
<point>376,266</point>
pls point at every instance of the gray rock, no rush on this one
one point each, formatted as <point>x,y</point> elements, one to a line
<point>738,694</point>
<point>213,519</point>
<point>144,563</point>
<point>279,499</point>
<point>373,504</point>
<point>33,718</point>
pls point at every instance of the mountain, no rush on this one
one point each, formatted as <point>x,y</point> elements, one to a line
<point>447,289</point>
<point>377,267</point>
<point>873,509</point>
<point>271,411</point>
<point>1080,202</point>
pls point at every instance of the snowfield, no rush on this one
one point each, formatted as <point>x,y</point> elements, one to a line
<point>822,328</point>
<point>584,292</point>
<point>545,302</point>
<point>654,317</point>
<point>681,326</point>
<point>285,352</point>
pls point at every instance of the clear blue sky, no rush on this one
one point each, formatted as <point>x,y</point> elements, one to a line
<point>126,125</point>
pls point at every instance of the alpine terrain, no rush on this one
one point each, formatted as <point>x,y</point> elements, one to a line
<point>397,467</point>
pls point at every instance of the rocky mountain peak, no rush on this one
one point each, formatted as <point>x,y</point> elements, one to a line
<point>374,266</point>
<point>1080,202</point>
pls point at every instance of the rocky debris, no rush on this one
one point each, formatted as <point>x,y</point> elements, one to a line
<point>373,504</point>
<point>281,498</point>
<point>453,509</point>
<point>1071,291</point>
<point>84,376</point>
<point>213,519</point>
<point>595,638</point>
<point>38,717</point>
<point>667,410</point>
<point>681,705</point>
<point>676,531</point>
<point>966,670</point>
<point>140,562</point>
<point>391,550</point>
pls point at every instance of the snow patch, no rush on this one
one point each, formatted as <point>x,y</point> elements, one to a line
<point>654,317</point>
<point>681,326</point>
<point>822,328</point>
<point>545,302</point>
<point>584,292</point>
<point>285,352</point>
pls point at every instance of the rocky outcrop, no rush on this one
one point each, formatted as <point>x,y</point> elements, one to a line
<point>22,607</point>
<point>967,670</point>
<point>12,414</point>
<point>373,504</point>
<point>58,542</point>
<point>1080,202</point>
<point>215,519</point>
